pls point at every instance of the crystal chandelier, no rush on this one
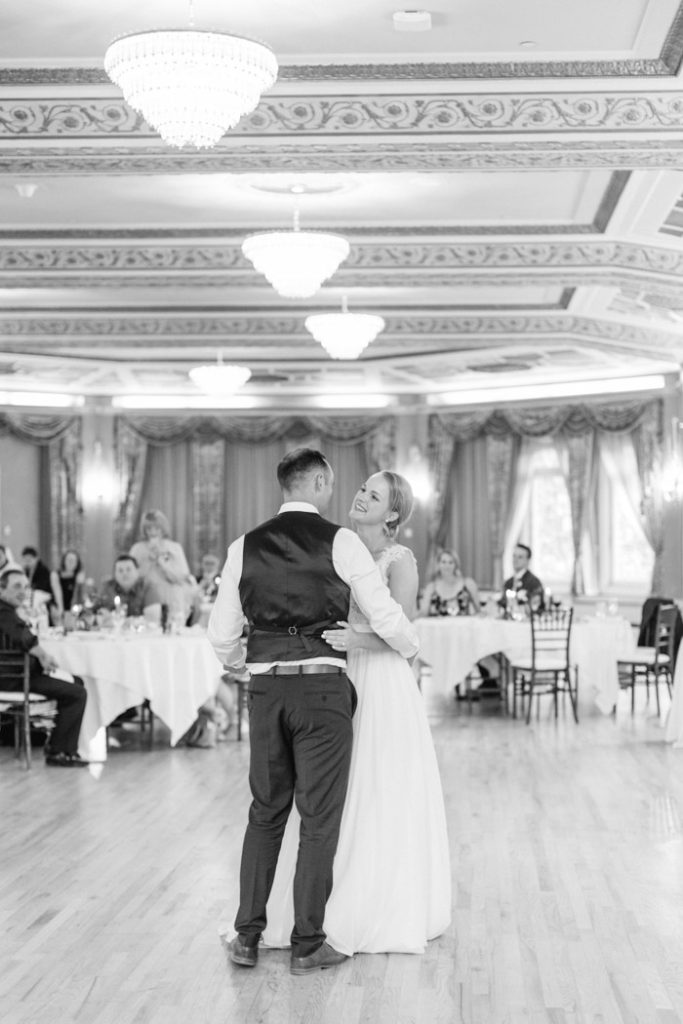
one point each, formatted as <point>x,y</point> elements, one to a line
<point>220,378</point>
<point>191,85</point>
<point>344,335</point>
<point>295,262</point>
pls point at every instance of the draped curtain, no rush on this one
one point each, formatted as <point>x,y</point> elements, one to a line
<point>61,512</point>
<point>649,450</point>
<point>577,461</point>
<point>509,437</point>
<point>215,477</point>
<point>502,459</point>
<point>130,455</point>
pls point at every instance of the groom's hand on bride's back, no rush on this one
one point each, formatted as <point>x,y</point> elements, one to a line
<point>344,638</point>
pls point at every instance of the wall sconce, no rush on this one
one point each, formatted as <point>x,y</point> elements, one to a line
<point>99,486</point>
<point>418,476</point>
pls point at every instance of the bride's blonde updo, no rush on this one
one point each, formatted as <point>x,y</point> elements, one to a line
<point>400,502</point>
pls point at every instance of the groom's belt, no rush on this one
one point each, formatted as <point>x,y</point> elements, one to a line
<point>305,669</point>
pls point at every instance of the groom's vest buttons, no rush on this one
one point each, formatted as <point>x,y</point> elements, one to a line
<point>289,588</point>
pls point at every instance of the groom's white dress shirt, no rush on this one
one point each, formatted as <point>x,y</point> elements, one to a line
<point>354,565</point>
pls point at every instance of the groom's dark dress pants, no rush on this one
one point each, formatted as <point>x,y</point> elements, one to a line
<point>300,734</point>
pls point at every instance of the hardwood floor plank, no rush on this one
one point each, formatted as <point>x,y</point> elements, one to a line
<point>567,852</point>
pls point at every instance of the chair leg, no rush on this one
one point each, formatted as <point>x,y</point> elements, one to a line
<point>633,691</point>
<point>655,682</point>
<point>27,738</point>
<point>531,700</point>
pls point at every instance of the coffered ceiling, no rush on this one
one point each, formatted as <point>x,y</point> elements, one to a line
<point>510,183</point>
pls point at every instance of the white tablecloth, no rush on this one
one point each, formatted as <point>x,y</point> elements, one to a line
<point>452,646</point>
<point>674,721</point>
<point>176,673</point>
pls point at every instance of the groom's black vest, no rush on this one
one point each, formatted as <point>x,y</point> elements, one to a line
<point>289,589</point>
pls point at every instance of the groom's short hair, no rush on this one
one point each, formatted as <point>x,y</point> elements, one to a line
<point>298,464</point>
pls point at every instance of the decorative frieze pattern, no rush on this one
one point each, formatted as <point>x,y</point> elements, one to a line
<point>408,154</point>
<point>352,115</point>
<point>404,257</point>
<point>233,329</point>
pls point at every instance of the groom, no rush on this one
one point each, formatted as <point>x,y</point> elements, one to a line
<point>292,578</point>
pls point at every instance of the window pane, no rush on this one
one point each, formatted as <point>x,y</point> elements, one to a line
<point>632,557</point>
<point>551,530</point>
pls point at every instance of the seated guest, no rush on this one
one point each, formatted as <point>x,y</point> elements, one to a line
<point>68,581</point>
<point>62,751</point>
<point>38,575</point>
<point>207,588</point>
<point>449,592</point>
<point>139,596</point>
<point>528,588</point>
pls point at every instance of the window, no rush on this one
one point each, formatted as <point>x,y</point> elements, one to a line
<point>549,523</point>
<point>626,559</point>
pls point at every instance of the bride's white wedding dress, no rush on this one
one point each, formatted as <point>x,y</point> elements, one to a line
<point>392,881</point>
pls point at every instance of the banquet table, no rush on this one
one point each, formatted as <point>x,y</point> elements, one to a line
<point>177,674</point>
<point>452,647</point>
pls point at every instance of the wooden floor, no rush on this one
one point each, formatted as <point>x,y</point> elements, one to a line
<point>567,848</point>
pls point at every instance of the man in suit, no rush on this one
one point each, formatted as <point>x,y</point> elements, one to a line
<point>292,578</point>
<point>529,591</point>
<point>528,587</point>
<point>62,751</point>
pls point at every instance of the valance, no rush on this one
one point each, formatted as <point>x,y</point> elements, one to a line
<point>572,420</point>
<point>163,430</point>
<point>39,429</point>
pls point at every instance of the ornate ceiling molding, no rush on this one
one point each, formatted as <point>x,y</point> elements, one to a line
<point>352,116</point>
<point>374,278</point>
<point>665,64</point>
<point>20,255</point>
<point>398,155</point>
<point>430,325</point>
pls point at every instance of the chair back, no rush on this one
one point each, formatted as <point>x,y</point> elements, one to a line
<point>14,670</point>
<point>550,634</point>
<point>664,634</point>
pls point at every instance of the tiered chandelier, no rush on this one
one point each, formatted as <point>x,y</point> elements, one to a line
<point>191,85</point>
<point>220,378</point>
<point>344,335</point>
<point>295,262</point>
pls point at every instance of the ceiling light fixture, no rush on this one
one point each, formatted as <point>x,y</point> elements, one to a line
<point>353,401</point>
<point>560,389</point>
<point>295,262</point>
<point>47,399</point>
<point>149,401</point>
<point>411,21</point>
<point>344,335</point>
<point>191,85</point>
<point>220,378</point>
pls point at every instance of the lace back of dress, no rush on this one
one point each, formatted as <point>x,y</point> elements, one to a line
<point>384,560</point>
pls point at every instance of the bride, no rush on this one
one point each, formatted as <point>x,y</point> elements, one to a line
<point>392,889</point>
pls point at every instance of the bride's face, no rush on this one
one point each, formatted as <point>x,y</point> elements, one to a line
<point>371,503</point>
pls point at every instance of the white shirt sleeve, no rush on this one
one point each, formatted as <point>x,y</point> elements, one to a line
<point>356,566</point>
<point>227,618</point>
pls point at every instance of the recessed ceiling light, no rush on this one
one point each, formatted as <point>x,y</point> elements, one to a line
<point>412,21</point>
<point>299,188</point>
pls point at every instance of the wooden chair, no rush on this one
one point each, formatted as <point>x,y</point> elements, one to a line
<point>548,671</point>
<point>648,665</point>
<point>141,716</point>
<point>24,708</point>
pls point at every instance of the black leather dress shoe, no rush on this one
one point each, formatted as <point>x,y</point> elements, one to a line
<point>59,759</point>
<point>245,956</point>
<point>323,957</point>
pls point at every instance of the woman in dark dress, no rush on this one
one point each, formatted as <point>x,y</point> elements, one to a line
<point>449,592</point>
<point>68,581</point>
